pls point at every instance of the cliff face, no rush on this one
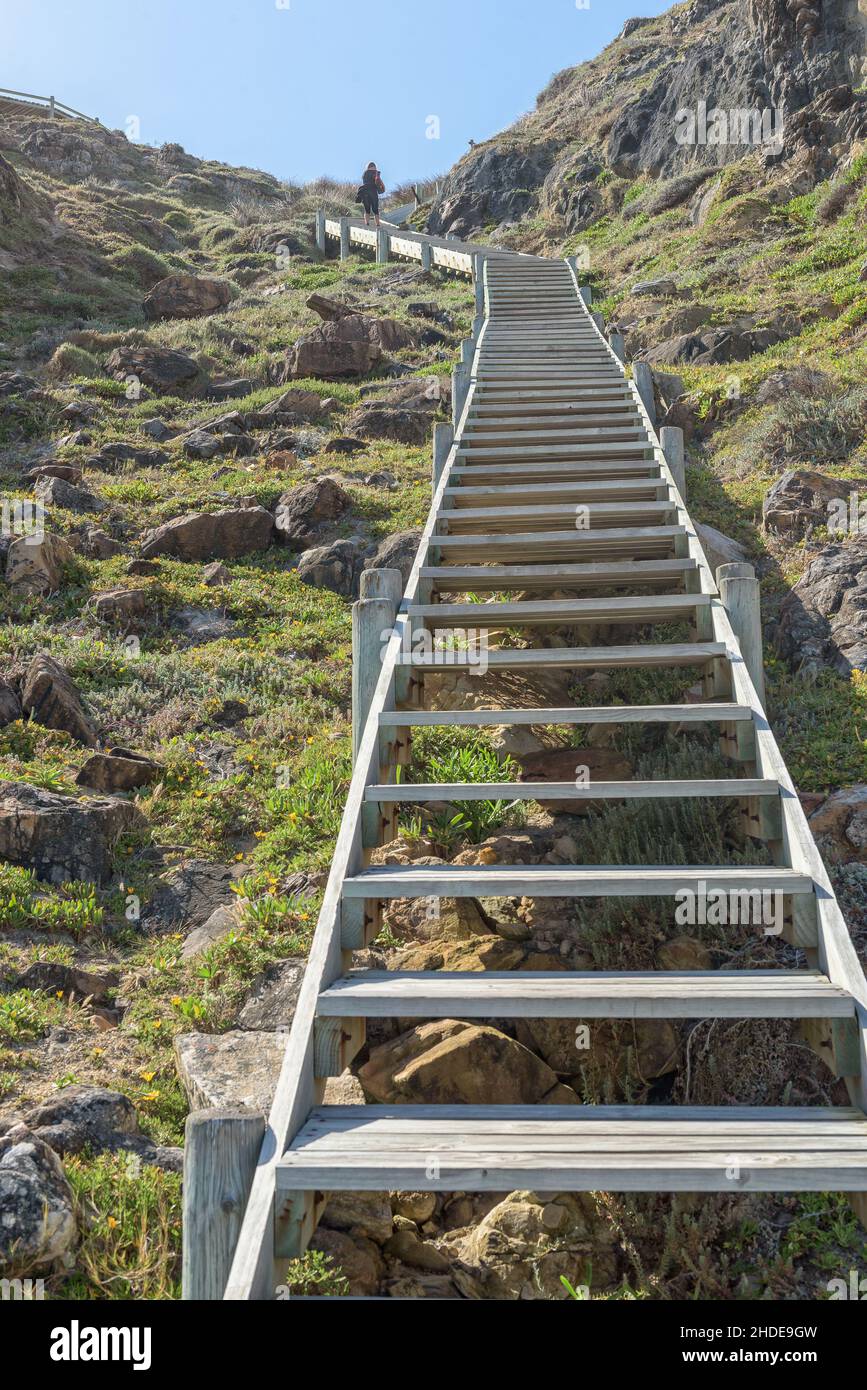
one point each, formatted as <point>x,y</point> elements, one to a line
<point>790,69</point>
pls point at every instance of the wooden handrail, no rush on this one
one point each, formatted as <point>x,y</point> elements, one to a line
<point>28,98</point>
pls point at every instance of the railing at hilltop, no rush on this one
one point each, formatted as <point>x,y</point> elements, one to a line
<point>389,242</point>
<point>49,104</point>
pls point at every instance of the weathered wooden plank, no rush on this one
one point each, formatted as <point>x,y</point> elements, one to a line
<point>800,994</point>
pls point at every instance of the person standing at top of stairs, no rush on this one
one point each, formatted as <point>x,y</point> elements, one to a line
<point>369,191</point>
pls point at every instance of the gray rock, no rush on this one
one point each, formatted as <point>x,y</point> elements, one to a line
<point>99,545</point>
<point>224,535</point>
<point>201,625</point>
<point>491,185</point>
<point>186,297</point>
<point>52,699</point>
<point>54,978</point>
<point>95,1119</point>
<point>386,422</point>
<point>823,621</point>
<point>163,370</point>
<point>303,511</point>
<point>62,838</point>
<point>35,565</point>
<point>801,498</point>
<point>270,1005</point>
<point>54,492</point>
<point>10,705</point>
<point>221,921</point>
<point>79,1117</point>
<point>189,895</point>
<point>157,429</point>
<point>37,1220</point>
<point>121,607</point>
<point>230,1069</point>
<point>655,289</point>
<point>119,452</point>
<point>336,567</point>
<point>360,1214</point>
<point>119,770</point>
<point>398,552</point>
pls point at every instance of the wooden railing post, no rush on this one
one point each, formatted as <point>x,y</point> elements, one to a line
<point>598,320</point>
<point>741,595</point>
<point>426,257</point>
<point>320,231</point>
<point>616,343</point>
<point>443,439</point>
<point>372,615</point>
<point>460,387</point>
<point>479,282</point>
<point>221,1149</point>
<point>586,294</point>
<point>345,245</point>
<point>468,352</point>
<point>382,245</point>
<point>643,378</point>
<point>671,439</point>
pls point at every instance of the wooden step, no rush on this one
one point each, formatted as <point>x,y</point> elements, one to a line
<point>585,994</point>
<point>644,608</point>
<point>556,469</point>
<point>707,713</point>
<point>503,1148</point>
<point>569,881</point>
<point>601,490</point>
<point>594,516</point>
<point>647,654</point>
<point>636,541</point>
<point>637,450</point>
<point>496,578</point>
<point>602,434</point>
<point>410,792</point>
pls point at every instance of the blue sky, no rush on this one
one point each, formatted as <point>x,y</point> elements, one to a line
<point>306,87</point>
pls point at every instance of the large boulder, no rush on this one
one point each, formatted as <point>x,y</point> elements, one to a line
<point>336,566</point>
<point>224,535</point>
<point>94,1119</point>
<point>823,621</point>
<point>802,498</point>
<point>186,297</point>
<point>164,370</point>
<point>397,552</point>
<point>62,838</point>
<point>56,492</point>
<point>523,1246</point>
<point>384,422</point>
<point>447,1062</point>
<point>839,825</point>
<point>351,346</point>
<point>188,895</point>
<point>303,510</point>
<point>270,1005</point>
<point>52,699</point>
<point>37,1215</point>
<point>34,565</point>
<point>10,703</point>
<point>118,770</point>
<point>492,184</point>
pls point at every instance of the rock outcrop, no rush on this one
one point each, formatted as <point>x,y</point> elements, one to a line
<point>186,297</point>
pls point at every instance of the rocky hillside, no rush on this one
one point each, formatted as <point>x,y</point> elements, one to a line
<point>206,432</point>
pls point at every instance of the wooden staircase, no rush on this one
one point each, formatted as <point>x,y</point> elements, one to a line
<point>556,482</point>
